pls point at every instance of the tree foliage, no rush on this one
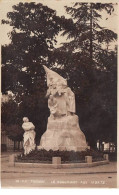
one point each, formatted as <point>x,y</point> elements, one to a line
<point>85,61</point>
<point>32,40</point>
<point>91,68</point>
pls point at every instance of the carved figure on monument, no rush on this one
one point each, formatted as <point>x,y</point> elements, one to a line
<point>58,89</point>
<point>63,131</point>
<point>52,104</point>
<point>29,136</point>
<point>70,100</point>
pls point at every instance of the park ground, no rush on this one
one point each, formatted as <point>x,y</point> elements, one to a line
<point>103,176</point>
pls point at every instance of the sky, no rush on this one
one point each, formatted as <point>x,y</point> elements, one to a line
<point>58,5</point>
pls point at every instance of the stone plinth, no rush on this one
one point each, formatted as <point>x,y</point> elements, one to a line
<point>88,159</point>
<point>63,134</point>
<point>56,160</point>
<point>106,156</point>
<point>12,160</point>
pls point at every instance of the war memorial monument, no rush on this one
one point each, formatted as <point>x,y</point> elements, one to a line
<point>63,132</point>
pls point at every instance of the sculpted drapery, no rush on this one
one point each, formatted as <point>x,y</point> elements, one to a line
<point>61,99</point>
<point>29,136</point>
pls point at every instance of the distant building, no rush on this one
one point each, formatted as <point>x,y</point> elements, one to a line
<point>106,146</point>
<point>110,146</point>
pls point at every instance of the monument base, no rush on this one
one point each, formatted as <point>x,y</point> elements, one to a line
<point>63,134</point>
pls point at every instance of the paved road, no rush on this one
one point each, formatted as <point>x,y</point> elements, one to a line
<point>105,180</point>
<point>97,177</point>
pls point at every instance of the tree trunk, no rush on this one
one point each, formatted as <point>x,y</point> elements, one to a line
<point>109,147</point>
<point>18,145</point>
<point>91,31</point>
<point>14,145</point>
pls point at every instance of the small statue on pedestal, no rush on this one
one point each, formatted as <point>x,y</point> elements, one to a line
<point>29,136</point>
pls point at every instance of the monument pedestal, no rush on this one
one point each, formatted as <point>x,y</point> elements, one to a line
<point>63,134</point>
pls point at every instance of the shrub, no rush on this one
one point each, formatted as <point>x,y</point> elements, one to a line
<point>66,156</point>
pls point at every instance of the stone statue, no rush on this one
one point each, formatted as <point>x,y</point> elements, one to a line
<point>63,131</point>
<point>62,95</point>
<point>29,136</point>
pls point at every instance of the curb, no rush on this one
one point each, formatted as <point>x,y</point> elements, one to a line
<point>56,166</point>
<point>76,173</point>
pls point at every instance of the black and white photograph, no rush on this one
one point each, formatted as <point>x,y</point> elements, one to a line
<point>59,94</point>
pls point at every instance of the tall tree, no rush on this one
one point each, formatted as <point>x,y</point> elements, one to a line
<point>88,35</point>
<point>32,42</point>
<point>90,68</point>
